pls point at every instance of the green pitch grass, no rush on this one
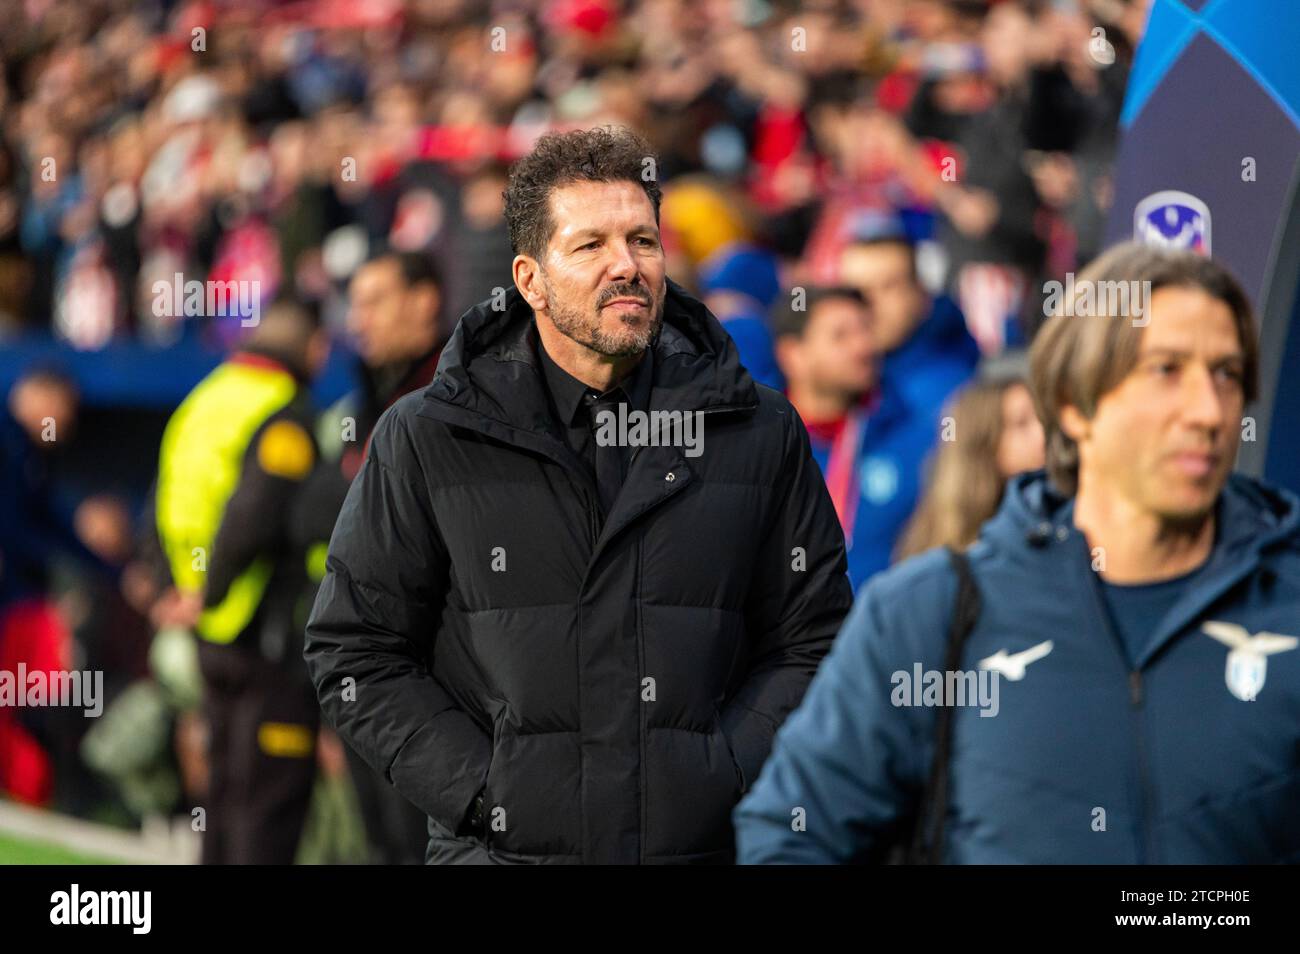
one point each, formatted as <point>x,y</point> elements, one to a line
<point>21,851</point>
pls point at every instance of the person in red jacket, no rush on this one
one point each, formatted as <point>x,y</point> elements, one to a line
<point>33,635</point>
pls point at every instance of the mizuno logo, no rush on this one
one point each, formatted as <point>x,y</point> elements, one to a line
<point>1012,665</point>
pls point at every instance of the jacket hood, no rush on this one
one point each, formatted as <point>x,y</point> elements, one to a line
<point>489,366</point>
<point>1254,521</point>
<point>1252,515</point>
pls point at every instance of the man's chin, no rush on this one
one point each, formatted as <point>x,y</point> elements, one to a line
<point>1191,502</point>
<point>622,341</point>
<point>856,389</point>
<point>627,350</point>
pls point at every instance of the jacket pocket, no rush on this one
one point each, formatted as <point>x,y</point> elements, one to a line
<point>446,848</point>
<point>494,768</point>
<point>726,744</point>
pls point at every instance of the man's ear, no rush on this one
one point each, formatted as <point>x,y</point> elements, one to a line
<point>1074,424</point>
<point>527,273</point>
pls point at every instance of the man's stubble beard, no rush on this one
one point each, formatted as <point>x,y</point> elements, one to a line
<point>585,328</point>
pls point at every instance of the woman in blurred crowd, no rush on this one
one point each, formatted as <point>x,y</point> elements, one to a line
<point>992,434</point>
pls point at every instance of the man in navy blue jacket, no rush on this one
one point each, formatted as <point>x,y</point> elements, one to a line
<point>1130,691</point>
<point>869,440</point>
<point>922,341</point>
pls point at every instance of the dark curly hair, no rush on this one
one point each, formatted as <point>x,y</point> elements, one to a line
<point>602,154</point>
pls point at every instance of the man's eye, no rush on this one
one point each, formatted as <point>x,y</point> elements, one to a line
<point>589,245</point>
<point>646,241</point>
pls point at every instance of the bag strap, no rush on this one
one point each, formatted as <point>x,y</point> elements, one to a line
<point>927,839</point>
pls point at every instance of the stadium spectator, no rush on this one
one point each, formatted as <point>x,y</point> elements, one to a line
<point>740,284</point>
<point>924,347</point>
<point>36,525</point>
<point>136,146</point>
<point>989,434</point>
<point>36,519</point>
<point>108,636</point>
<point>1037,100</point>
<point>395,319</point>
<point>868,440</point>
<point>477,242</point>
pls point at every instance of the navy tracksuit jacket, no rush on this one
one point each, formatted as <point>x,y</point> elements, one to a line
<point>1191,756</point>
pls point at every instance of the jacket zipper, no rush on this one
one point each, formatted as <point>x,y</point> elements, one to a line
<point>1137,698</point>
<point>593,521</point>
<point>1147,849</point>
<point>640,637</point>
<point>641,709</point>
<point>594,530</point>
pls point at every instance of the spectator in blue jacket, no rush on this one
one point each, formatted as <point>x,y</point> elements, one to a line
<point>1130,689</point>
<point>868,439</point>
<point>922,340</point>
<point>739,283</point>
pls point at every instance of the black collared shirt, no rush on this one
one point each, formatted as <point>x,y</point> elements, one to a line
<point>574,406</point>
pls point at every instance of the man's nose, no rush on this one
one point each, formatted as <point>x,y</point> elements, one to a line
<point>622,266</point>
<point>1201,401</point>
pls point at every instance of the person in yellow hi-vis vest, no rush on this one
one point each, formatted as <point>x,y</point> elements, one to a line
<point>233,457</point>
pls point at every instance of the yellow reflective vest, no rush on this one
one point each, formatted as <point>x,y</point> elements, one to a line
<point>201,459</point>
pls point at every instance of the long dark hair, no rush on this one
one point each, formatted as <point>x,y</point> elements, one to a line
<point>965,485</point>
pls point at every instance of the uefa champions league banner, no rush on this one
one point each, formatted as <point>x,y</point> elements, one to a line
<point>1210,160</point>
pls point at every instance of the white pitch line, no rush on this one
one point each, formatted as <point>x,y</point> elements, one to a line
<point>81,836</point>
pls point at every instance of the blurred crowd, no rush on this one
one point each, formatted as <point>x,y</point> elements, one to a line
<point>869,194</point>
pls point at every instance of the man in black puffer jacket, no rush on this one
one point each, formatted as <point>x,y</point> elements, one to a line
<point>566,640</point>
